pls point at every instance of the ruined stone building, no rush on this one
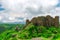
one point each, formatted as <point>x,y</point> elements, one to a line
<point>44,21</point>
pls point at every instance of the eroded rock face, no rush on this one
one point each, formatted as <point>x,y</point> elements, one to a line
<point>45,21</point>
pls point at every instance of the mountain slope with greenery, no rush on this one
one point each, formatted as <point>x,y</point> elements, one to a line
<point>32,31</point>
<point>5,26</point>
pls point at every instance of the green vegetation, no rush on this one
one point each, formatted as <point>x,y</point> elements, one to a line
<point>4,27</point>
<point>29,32</point>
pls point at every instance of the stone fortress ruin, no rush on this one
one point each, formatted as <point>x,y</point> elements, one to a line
<point>44,21</point>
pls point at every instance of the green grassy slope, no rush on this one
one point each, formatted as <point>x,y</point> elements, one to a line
<point>32,31</point>
<point>4,27</point>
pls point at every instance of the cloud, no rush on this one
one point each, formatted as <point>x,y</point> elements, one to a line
<point>27,9</point>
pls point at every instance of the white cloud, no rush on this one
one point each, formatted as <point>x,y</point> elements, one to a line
<point>11,18</point>
<point>28,8</point>
<point>0,17</point>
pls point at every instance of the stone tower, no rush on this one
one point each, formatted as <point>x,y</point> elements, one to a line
<point>27,21</point>
<point>49,20</point>
<point>56,21</point>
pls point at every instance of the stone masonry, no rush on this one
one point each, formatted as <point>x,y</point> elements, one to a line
<point>45,21</point>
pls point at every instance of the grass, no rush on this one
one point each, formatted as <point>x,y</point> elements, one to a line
<point>31,31</point>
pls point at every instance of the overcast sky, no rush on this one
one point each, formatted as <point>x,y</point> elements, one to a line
<point>20,10</point>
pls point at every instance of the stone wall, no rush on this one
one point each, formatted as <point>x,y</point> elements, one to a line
<point>56,21</point>
<point>45,21</point>
<point>27,21</point>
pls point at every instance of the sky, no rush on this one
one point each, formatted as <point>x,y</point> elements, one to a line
<point>20,10</point>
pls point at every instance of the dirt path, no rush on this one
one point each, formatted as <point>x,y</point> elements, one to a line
<point>37,39</point>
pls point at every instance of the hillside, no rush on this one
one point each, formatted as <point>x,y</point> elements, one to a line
<point>5,26</point>
<point>31,31</point>
<point>39,28</point>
